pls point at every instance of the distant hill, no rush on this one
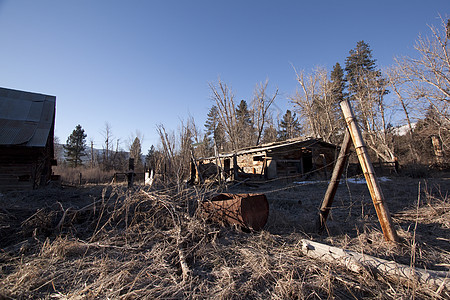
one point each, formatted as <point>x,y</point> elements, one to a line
<point>97,153</point>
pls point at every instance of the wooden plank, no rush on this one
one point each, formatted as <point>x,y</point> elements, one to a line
<point>334,182</point>
<point>383,214</point>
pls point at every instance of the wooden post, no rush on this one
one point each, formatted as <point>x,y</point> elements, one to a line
<point>372,182</point>
<point>235,167</point>
<point>218,164</point>
<point>334,182</point>
<point>437,147</point>
<point>130,174</point>
<point>324,161</point>
<point>197,169</point>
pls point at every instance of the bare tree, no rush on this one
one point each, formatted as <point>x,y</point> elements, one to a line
<point>224,99</point>
<point>58,150</point>
<point>374,114</point>
<point>108,146</point>
<point>187,133</point>
<point>168,150</point>
<point>91,153</point>
<point>260,107</point>
<point>316,105</point>
<point>304,101</point>
<point>428,76</point>
<point>399,86</point>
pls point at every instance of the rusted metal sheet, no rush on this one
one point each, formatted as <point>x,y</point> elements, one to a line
<point>251,211</point>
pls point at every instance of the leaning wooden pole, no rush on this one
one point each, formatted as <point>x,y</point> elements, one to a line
<point>372,182</point>
<point>334,182</point>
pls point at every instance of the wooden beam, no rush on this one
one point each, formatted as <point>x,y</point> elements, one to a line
<point>197,169</point>
<point>357,262</point>
<point>383,214</point>
<point>334,182</point>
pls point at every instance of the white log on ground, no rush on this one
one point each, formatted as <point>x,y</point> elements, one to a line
<point>357,262</point>
<point>148,180</point>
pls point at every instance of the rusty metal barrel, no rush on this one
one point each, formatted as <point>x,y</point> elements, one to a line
<point>251,211</point>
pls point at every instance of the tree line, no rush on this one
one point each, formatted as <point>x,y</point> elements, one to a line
<point>414,92</point>
<point>77,153</point>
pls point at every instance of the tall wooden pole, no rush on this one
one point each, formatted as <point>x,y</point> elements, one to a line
<point>372,182</point>
<point>334,182</point>
<point>92,154</point>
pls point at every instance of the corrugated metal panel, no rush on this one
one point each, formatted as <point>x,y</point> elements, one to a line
<point>9,129</point>
<point>48,111</point>
<point>35,112</point>
<point>25,118</point>
<point>39,138</point>
<point>25,134</point>
<point>14,109</point>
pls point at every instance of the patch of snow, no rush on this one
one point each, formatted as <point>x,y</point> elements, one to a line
<point>308,182</point>
<point>403,130</point>
<point>356,180</point>
<point>363,181</point>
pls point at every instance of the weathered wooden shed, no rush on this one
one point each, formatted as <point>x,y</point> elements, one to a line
<point>27,122</point>
<point>289,159</point>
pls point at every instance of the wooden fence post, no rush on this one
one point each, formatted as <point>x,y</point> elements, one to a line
<point>334,182</point>
<point>130,174</point>
<point>383,214</point>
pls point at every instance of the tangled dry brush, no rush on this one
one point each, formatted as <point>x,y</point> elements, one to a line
<point>113,243</point>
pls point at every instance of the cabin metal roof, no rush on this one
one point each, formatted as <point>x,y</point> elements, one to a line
<point>26,118</point>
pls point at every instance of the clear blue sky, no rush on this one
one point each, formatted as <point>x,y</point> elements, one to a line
<point>136,64</point>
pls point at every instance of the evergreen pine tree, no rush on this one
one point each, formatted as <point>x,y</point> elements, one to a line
<point>360,68</point>
<point>75,147</point>
<point>270,134</point>
<point>367,88</point>
<point>136,153</point>
<point>243,114</point>
<point>214,130</point>
<point>338,94</point>
<point>152,159</point>
<point>366,85</point>
<point>289,126</point>
<point>245,125</point>
<point>337,83</point>
<point>150,156</point>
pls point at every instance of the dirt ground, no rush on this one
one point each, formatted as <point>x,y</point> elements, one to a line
<point>99,241</point>
<point>294,208</point>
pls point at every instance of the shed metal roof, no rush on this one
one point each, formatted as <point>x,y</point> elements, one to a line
<point>300,142</point>
<point>25,118</point>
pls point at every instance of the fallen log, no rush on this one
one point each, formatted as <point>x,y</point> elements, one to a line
<point>358,262</point>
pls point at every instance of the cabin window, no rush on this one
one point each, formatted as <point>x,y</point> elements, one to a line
<point>227,164</point>
<point>258,158</point>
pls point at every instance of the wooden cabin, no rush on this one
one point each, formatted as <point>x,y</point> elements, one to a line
<point>292,159</point>
<point>27,122</point>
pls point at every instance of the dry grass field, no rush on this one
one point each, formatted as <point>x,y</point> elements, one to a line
<point>106,242</point>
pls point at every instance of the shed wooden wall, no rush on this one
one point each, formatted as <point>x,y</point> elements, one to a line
<point>23,167</point>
